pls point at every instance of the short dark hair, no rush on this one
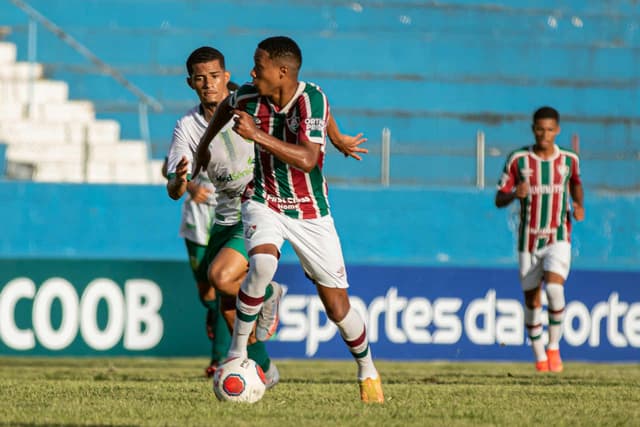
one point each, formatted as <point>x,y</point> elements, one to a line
<point>546,113</point>
<point>282,47</point>
<point>204,54</point>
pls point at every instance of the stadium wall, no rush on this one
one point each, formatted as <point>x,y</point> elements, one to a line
<point>99,269</point>
<point>434,73</point>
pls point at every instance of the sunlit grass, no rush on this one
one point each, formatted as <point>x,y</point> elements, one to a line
<point>127,391</point>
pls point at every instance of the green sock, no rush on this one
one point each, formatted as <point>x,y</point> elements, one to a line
<point>258,352</point>
<point>221,337</point>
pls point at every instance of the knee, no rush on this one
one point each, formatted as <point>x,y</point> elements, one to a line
<point>532,298</point>
<point>223,279</point>
<point>337,309</point>
<point>263,265</point>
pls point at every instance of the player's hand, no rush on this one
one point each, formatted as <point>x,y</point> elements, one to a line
<point>350,145</point>
<point>244,125</point>
<point>578,212</point>
<point>182,169</point>
<point>522,190</point>
<point>199,193</point>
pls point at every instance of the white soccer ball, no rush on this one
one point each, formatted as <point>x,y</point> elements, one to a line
<point>239,380</point>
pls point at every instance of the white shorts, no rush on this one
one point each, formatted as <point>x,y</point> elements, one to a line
<point>315,241</point>
<point>554,258</point>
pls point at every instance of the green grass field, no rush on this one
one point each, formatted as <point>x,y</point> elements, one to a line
<point>154,392</point>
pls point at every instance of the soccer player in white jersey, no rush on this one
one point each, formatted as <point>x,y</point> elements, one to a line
<point>224,262</point>
<point>542,177</point>
<point>200,202</point>
<point>288,198</point>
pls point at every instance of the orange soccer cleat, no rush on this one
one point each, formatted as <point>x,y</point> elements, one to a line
<point>371,390</point>
<point>555,362</point>
<point>542,366</point>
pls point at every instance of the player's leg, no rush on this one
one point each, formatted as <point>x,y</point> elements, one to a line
<point>263,262</point>
<point>556,269</point>
<point>226,273</point>
<point>219,338</point>
<point>530,279</point>
<point>318,247</point>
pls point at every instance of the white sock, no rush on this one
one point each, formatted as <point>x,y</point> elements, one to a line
<point>354,334</point>
<point>533,323</point>
<point>555,296</point>
<point>262,268</point>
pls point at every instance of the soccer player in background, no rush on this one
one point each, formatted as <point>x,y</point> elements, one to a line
<point>200,203</point>
<point>288,198</point>
<point>542,177</point>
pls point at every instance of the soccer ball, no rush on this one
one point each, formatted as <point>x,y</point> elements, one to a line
<point>239,380</point>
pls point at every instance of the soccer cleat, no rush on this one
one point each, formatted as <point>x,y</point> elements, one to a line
<point>272,376</point>
<point>210,370</point>
<point>555,362</point>
<point>268,316</point>
<point>542,366</point>
<point>371,390</point>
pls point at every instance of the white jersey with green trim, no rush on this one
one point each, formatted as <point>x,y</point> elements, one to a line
<point>197,218</point>
<point>230,169</point>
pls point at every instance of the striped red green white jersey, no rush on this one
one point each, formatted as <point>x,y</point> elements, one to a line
<point>276,184</point>
<point>544,213</point>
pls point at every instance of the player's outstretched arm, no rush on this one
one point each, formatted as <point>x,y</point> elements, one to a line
<point>346,144</point>
<point>303,156</point>
<point>220,118</point>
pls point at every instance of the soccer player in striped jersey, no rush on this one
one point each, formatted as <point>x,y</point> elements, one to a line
<point>223,263</point>
<point>544,178</point>
<point>288,198</point>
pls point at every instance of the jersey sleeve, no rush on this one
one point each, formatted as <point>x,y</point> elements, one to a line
<point>314,114</point>
<point>179,147</point>
<point>238,98</point>
<point>575,178</point>
<point>508,178</point>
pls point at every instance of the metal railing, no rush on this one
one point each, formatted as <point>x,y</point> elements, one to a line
<point>385,158</point>
<point>144,101</point>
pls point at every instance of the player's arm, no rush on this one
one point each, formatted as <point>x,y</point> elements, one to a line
<point>176,167</point>
<point>303,155</point>
<point>346,144</point>
<point>222,115</point>
<point>504,198</point>
<point>577,196</point>
<point>177,183</point>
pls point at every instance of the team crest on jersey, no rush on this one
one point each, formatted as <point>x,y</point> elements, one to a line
<point>563,170</point>
<point>293,123</point>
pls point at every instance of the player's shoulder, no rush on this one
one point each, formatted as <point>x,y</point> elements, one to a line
<point>518,152</point>
<point>312,95</point>
<point>190,117</point>
<point>246,90</point>
<point>568,152</point>
<point>312,90</point>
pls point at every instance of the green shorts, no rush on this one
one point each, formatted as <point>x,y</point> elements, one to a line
<point>222,236</point>
<point>196,254</point>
